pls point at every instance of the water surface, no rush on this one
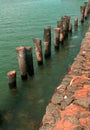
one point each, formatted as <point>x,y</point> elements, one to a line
<point>20,21</point>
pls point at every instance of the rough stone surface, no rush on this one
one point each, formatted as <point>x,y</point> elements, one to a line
<point>69,108</point>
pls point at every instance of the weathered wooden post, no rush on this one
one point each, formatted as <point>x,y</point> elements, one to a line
<point>86,10</point>
<point>70,27</point>
<point>38,50</point>
<point>65,29</point>
<point>56,37</point>
<point>82,9</point>
<point>62,33</point>
<point>75,21</point>
<point>60,23</point>
<point>12,79</point>
<point>29,60</point>
<point>67,20</point>
<point>61,36</point>
<point>47,41</point>
<point>21,54</point>
<point>88,4</point>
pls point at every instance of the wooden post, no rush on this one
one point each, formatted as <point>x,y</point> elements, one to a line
<point>70,27</point>
<point>29,60</point>
<point>12,79</point>
<point>67,19</point>
<point>21,54</point>
<point>86,10</point>
<point>82,9</point>
<point>75,21</point>
<point>61,36</point>
<point>56,37</point>
<point>60,23</point>
<point>47,41</point>
<point>65,29</point>
<point>38,50</point>
<point>88,4</point>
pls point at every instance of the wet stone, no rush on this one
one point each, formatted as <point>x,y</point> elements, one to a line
<point>69,100</point>
<point>66,80</point>
<point>84,81</point>
<point>88,93</point>
<point>53,111</point>
<point>57,109</point>
<point>52,107</point>
<point>65,83</point>
<point>46,127</point>
<point>83,54</point>
<point>72,88</point>
<point>63,105</point>
<point>66,102</point>
<point>84,102</point>
<point>88,55</point>
<point>86,69</point>
<point>88,125</point>
<point>48,119</point>
<point>78,128</point>
<point>89,75</point>
<point>87,82</point>
<point>60,89</point>
<point>76,72</point>
<point>72,119</point>
<point>84,115</point>
<point>69,94</point>
<point>56,98</point>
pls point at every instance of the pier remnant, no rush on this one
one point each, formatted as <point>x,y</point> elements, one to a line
<point>29,61</point>
<point>75,21</point>
<point>87,9</point>
<point>60,23</point>
<point>65,27</point>
<point>47,41</point>
<point>61,37</point>
<point>21,54</point>
<point>56,37</point>
<point>70,27</point>
<point>12,79</point>
<point>66,21</point>
<point>38,50</point>
<point>82,10</point>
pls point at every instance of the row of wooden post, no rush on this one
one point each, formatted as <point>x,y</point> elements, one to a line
<point>85,10</point>
<point>24,53</point>
<point>25,60</point>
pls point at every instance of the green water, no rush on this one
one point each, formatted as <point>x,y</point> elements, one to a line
<point>20,21</point>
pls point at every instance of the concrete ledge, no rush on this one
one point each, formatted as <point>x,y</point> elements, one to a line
<point>69,108</point>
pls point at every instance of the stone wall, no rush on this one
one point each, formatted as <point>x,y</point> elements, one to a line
<point>69,108</point>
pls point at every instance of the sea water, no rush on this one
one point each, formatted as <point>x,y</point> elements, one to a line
<point>20,21</point>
